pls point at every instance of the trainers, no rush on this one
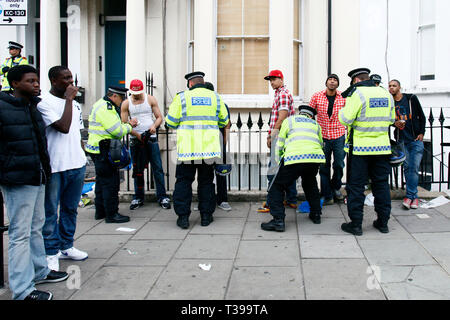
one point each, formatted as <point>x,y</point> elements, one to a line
<point>54,277</point>
<point>338,194</point>
<point>407,203</point>
<point>225,206</point>
<point>165,203</point>
<point>53,261</point>
<point>327,202</point>
<point>37,295</point>
<point>73,254</point>
<point>415,204</point>
<point>264,208</point>
<point>136,204</point>
<point>290,205</point>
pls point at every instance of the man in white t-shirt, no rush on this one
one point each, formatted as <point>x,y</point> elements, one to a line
<point>63,118</point>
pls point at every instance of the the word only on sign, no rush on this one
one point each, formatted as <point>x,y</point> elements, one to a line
<point>13,12</point>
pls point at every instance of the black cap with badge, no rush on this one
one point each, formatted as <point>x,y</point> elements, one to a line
<point>352,74</point>
<point>118,90</point>
<point>193,75</point>
<point>306,109</point>
<point>376,78</point>
<point>15,45</point>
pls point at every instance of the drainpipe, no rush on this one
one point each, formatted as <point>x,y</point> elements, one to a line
<point>329,36</point>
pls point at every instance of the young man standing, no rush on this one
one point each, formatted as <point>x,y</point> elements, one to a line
<point>410,130</point>
<point>144,107</point>
<point>63,118</point>
<point>24,170</point>
<point>283,107</point>
<point>328,103</point>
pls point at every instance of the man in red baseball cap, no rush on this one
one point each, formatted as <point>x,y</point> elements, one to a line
<point>283,107</point>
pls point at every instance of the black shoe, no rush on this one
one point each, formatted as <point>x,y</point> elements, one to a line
<point>351,228</point>
<point>316,219</point>
<point>54,277</point>
<point>136,204</point>
<point>37,295</point>
<point>274,225</point>
<point>383,228</point>
<point>183,222</point>
<point>165,203</point>
<point>206,220</point>
<point>99,216</point>
<point>117,218</point>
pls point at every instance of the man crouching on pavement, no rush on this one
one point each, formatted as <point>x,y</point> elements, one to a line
<point>299,153</point>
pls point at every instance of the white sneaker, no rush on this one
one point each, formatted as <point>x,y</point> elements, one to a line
<point>53,262</point>
<point>225,206</point>
<point>73,254</point>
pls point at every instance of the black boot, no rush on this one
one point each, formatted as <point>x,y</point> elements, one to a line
<point>117,218</point>
<point>206,219</point>
<point>382,227</point>
<point>315,218</point>
<point>352,228</point>
<point>277,224</point>
<point>183,222</point>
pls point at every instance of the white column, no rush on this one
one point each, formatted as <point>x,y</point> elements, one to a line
<point>50,39</point>
<point>74,38</point>
<point>136,41</point>
<point>204,35</point>
<point>281,49</point>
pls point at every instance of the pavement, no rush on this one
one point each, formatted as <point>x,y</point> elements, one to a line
<point>155,260</point>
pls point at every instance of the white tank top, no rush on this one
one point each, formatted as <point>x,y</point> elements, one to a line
<point>143,112</point>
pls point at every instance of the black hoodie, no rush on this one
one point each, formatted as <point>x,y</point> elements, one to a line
<point>24,158</point>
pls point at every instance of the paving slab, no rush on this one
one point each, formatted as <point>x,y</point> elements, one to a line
<point>271,253</point>
<point>84,226</point>
<point>399,210</point>
<point>266,217</point>
<point>239,210</point>
<point>148,211</point>
<point>161,230</point>
<point>407,252</point>
<point>423,283</point>
<point>111,228</point>
<point>436,223</point>
<point>102,246</point>
<point>327,227</point>
<point>339,279</point>
<point>185,280</point>
<point>221,226</point>
<point>333,211</point>
<point>445,210</point>
<point>253,231</point>
<point>209,247</point>
<point>438,245</point>
<point>119,283</point>
<point>393,274</point>
<point>320,246</point>
<point>266,283</point>
<point>396,231</point>
<point>145,253</point>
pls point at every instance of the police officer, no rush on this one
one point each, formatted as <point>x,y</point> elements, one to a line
<point>299,153</point>
<point>105,124</point>
<point>368,113</point>
<point>376,78</point>
<point>196,114</point>
<point>15,50</point>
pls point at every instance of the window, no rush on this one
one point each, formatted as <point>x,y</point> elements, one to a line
<point>298,47</point>
<point>427,39</point>
<point>242,46</point>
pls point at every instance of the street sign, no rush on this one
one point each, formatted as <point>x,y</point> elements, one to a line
<point>13,12</point>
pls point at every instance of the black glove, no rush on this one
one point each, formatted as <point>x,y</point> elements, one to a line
<point>5,70</point>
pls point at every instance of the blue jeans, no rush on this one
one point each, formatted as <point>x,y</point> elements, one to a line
<point>26,253</point>
<point>142,155</point>
<point>63,189</point>
<point>414,152</point>
<point>327,183</point>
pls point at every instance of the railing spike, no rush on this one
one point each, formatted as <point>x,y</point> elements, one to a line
<point>260,121</point>
<point>239,121</point>
<point>250,121</point>
<point>442,117</point>
<point>431,117</point>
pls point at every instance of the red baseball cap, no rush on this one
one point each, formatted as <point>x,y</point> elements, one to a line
<point>274,74</point>
<point>136,87</point>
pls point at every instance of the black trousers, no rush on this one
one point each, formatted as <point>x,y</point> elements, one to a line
<point>285,178</point>
<point>107,185</point>
<point>361,168</point>
<point>222,192</point>
<point>182,195</point>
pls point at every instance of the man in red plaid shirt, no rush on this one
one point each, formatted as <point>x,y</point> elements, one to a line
<point>283,107</point>
<point>328,103</point>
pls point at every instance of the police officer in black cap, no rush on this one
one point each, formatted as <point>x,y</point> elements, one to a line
<point>376,78</point>
<point>15,50</point>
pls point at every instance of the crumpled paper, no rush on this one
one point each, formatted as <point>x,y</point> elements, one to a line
<point>205,267</point>
<point>439,201</point>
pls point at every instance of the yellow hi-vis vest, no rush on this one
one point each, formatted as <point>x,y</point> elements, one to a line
<point>197,115</point>
<point>10,62</point>
<point>369,112</point>
<point>300,141</point>
<point>105,123</point>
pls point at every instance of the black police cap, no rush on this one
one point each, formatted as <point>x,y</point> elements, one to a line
<point>193,75</point>
<point>118,90</point>
<point>14,45</point>
<point>358,72</point>
<point>376,78</point>
<point>304,108</point>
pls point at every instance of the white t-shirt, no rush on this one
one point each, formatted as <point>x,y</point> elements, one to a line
<point>64,149</point>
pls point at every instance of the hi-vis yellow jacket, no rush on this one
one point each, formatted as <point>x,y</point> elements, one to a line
<point>10,62</point>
